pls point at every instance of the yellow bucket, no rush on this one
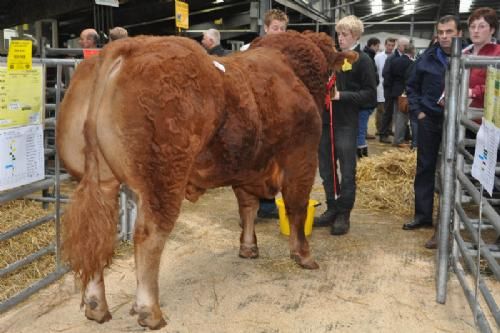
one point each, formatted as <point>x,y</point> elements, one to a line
<point>285,225</point>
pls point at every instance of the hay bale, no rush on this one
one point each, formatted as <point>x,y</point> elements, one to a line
<point>385,182</point>
<point>14,214</point>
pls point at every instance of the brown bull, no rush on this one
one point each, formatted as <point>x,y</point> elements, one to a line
<point>157,114</point>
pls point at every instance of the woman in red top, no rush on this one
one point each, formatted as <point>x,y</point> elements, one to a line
<point>483,23</point>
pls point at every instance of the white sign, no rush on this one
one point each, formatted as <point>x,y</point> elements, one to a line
<point>485,156</point>
<point>112,3</point>
<point>21,156</point>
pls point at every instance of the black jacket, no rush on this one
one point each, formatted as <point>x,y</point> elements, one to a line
<point>218,51</point>
<point>387,69</point>
<point>395,79</point>
<point>357,88</point>
<point>426,83</point>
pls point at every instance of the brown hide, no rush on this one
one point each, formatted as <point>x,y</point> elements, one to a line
<point>163,117</point>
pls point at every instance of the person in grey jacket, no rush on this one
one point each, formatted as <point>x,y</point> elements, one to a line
<point>355,88</point>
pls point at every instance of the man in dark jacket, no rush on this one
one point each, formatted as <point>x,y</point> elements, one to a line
<point>425,89</point>
<point>211,42</point>
<point>355,87</point>
<point>389,99</point>
<point>395,80</point>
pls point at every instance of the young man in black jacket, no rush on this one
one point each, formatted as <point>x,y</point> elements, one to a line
<point>355,88</point>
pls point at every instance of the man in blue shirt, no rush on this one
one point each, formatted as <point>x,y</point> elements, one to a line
<point>425,89</point>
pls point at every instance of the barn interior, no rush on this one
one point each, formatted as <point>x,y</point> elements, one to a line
<point>57,23</point>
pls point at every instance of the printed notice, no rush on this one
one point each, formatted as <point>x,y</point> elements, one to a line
<point>485,156</point>
<point>21,97</point>
<point>21,156</point>
<point>19,57</point>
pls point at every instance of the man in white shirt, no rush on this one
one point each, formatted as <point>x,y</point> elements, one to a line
<point>380,59</point>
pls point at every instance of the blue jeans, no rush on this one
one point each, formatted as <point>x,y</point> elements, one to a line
<point>364,116</point>
<point>345,156</point>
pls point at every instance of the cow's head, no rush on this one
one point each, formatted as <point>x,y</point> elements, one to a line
<point>334,58</point>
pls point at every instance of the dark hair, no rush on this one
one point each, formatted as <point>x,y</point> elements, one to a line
<point>489,15</point>
<point>449,18</point>
<point>373,41</point>
<point>390,40</point>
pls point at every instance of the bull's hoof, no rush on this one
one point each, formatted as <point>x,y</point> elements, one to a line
<point>249,252</point>
<point>92,312</point>
<point>148,319</point>
<point>307,263</point>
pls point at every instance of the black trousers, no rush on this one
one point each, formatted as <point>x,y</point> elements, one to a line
<point>428,143</point>
<point>345,156</point>
<point>387,116</point>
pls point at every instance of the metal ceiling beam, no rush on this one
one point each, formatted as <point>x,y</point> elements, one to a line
<point>438,13</point>
<point>304,10</point>
<point>368,23</point>
<point>415,11</point>
<point>170,18</point>
<point>384,12</point>
<point>344,4</point>
<point>29,11</point>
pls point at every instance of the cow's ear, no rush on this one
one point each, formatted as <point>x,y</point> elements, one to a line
<point>340,57</point>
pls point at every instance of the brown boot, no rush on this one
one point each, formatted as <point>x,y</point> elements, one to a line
<point>431,244</point>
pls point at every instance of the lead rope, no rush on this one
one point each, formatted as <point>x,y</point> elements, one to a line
<point>329,107</point>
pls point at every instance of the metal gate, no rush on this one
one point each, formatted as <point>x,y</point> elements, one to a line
<point>460,225</point>
<point>52,180</point>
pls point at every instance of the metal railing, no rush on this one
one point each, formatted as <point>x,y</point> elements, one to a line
<point>455,223</point>
<point>26,191</point>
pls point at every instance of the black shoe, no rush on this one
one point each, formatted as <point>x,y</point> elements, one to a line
<point>265,214</point>
<point>385,139</point>
<point>360,153</point>
<point>416,224</point>
<point>341,224</point>
<point>325,220</point>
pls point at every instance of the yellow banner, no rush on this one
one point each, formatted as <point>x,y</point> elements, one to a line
<point>21,97</point>
<point>181,14</point>
<point>19,57</point>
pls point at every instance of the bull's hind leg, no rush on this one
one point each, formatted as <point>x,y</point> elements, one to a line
<point>94,296</point>
<point>300,171</point>
<point>248,205</point>
<point>158,212</point>
<point>96,307</point>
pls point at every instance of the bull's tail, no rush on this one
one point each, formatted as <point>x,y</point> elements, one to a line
<point>90,223</point>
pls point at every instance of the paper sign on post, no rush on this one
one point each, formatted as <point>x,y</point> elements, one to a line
<point>19,57</point>
<point>485,156</point>
<point>21,156</point>
<point>181,14</point>
<point>21,97</point>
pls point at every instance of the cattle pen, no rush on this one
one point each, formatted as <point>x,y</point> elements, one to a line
<point>377,278</point>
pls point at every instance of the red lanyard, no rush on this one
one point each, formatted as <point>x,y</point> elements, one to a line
<point>328,102</point>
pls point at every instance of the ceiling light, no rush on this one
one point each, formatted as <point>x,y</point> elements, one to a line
<point>218,1</point>
<point>376,6</point>
<point>465,6</point>
<point>408,8</point>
